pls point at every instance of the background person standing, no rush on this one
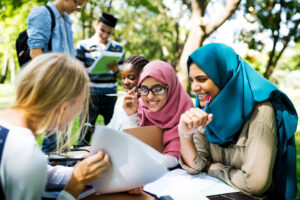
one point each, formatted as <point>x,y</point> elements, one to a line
<point>39,33</point>
<point>100,84</point>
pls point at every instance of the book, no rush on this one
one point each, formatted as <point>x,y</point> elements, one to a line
<point>151,135</point>
<point>105,58</point>
<point>179,184</point>
<point>53,193</point>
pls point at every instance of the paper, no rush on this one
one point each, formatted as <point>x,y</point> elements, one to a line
<point>178,184</point>
<point>106,57</point>
<point>133,163</point>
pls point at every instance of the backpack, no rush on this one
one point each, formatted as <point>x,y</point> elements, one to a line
<point>23,52</point>
<point>3,136</point>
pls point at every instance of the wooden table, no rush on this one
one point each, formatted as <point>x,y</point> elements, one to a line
<point>121,196</point>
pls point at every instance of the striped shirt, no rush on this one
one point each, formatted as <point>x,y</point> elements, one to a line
<point>88,51</point>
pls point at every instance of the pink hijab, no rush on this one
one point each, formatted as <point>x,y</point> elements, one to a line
<point>168,117</point>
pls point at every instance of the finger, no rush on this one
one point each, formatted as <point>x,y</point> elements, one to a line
<point>132,91</point>
<point>188,121</point>
<point>210,118</point>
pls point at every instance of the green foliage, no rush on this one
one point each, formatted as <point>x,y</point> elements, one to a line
<point>277,20</point>
<point>291,62</point>
<point>140,28</point>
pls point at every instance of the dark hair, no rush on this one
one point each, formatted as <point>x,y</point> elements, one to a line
<point>108,19</point>
<point>137,62</point>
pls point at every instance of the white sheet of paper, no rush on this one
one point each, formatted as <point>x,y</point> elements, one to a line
<point>179,184</point>
<point>133,163</point>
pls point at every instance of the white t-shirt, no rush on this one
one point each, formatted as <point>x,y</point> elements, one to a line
<point>23,168</point>
<point>120,120</point>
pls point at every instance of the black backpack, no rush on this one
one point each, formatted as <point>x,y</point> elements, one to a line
<point>23,52</point>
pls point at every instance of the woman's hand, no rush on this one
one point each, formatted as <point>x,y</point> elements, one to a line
<point>136,191</point>
<point>131,103</point>
<point>191,120</point>
<point>87,171</point>
<point>91,167</point>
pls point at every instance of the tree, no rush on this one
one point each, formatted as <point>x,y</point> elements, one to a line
<point>200,30</point>
<point>277,19</point>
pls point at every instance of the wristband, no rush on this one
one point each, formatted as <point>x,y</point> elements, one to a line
<point>186,135</point>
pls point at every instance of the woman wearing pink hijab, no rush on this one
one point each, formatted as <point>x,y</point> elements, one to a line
<point>163,100</point>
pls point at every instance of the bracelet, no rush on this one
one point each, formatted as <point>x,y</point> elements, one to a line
<point>185,135</point>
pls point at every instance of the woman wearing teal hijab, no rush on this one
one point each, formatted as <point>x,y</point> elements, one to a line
<point>248,140</point>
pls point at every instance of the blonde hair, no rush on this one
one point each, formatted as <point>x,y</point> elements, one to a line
<point>45,84</point>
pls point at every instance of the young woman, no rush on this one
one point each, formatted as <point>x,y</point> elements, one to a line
<point>131,69</point>
<point>248,140</point>
<point>51,92</point>
<point>162,102</point>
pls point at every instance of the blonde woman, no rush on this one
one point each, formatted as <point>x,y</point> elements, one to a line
<point>52,90</point>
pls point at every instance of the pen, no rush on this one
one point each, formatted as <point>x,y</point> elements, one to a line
<point>116,94</point>
<point>206,103</point>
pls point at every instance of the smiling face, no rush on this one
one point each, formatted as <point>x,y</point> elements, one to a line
<point>130,77</point>
<point>154,102</point>
<point>103,31</point>
<point>202,85</point>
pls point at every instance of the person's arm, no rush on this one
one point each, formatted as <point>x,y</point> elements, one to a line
<point>196,153</point>
<point>38,30</point>
<point>36,52</point>
<point>193,150</point>
<point>255,174</point>
<point>58,174</point>
<point>86,171</point>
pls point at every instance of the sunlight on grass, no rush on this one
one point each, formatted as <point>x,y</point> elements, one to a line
<point>7,95</point>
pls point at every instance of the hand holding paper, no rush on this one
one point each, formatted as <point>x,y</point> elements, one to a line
<point>133,163</point>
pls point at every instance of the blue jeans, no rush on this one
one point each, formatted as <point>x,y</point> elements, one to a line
<point>49,143</point>
<point>99,105</point>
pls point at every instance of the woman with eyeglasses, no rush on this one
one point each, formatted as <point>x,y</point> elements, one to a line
<point>245,136</point>
<point>161,103</point>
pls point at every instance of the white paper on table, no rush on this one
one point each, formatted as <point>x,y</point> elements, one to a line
<point>179,184</point>
<point>133,163</point>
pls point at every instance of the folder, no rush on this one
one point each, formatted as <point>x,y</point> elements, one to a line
<point>105,58</point>
<point>151,135</point>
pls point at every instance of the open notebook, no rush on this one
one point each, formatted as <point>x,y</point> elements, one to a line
<point>151,135</point>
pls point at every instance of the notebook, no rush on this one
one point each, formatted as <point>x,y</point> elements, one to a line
<point>151,135</point>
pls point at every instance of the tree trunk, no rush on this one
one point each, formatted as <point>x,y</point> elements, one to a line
<point>200,31</point>
<point>4,69</point>
<point>273,58</point>
<point>12,68</point>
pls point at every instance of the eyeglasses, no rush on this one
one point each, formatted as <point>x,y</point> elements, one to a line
<point>156,90</point>
<point>78,5</point>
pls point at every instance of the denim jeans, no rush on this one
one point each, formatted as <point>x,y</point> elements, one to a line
<point>49,142</point>
<point>98,105</point>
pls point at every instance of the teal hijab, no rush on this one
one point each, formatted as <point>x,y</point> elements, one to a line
<point>241,88</point>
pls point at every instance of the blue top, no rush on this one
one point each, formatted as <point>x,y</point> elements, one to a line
<point>39,30</point>
<point>241,88</point>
